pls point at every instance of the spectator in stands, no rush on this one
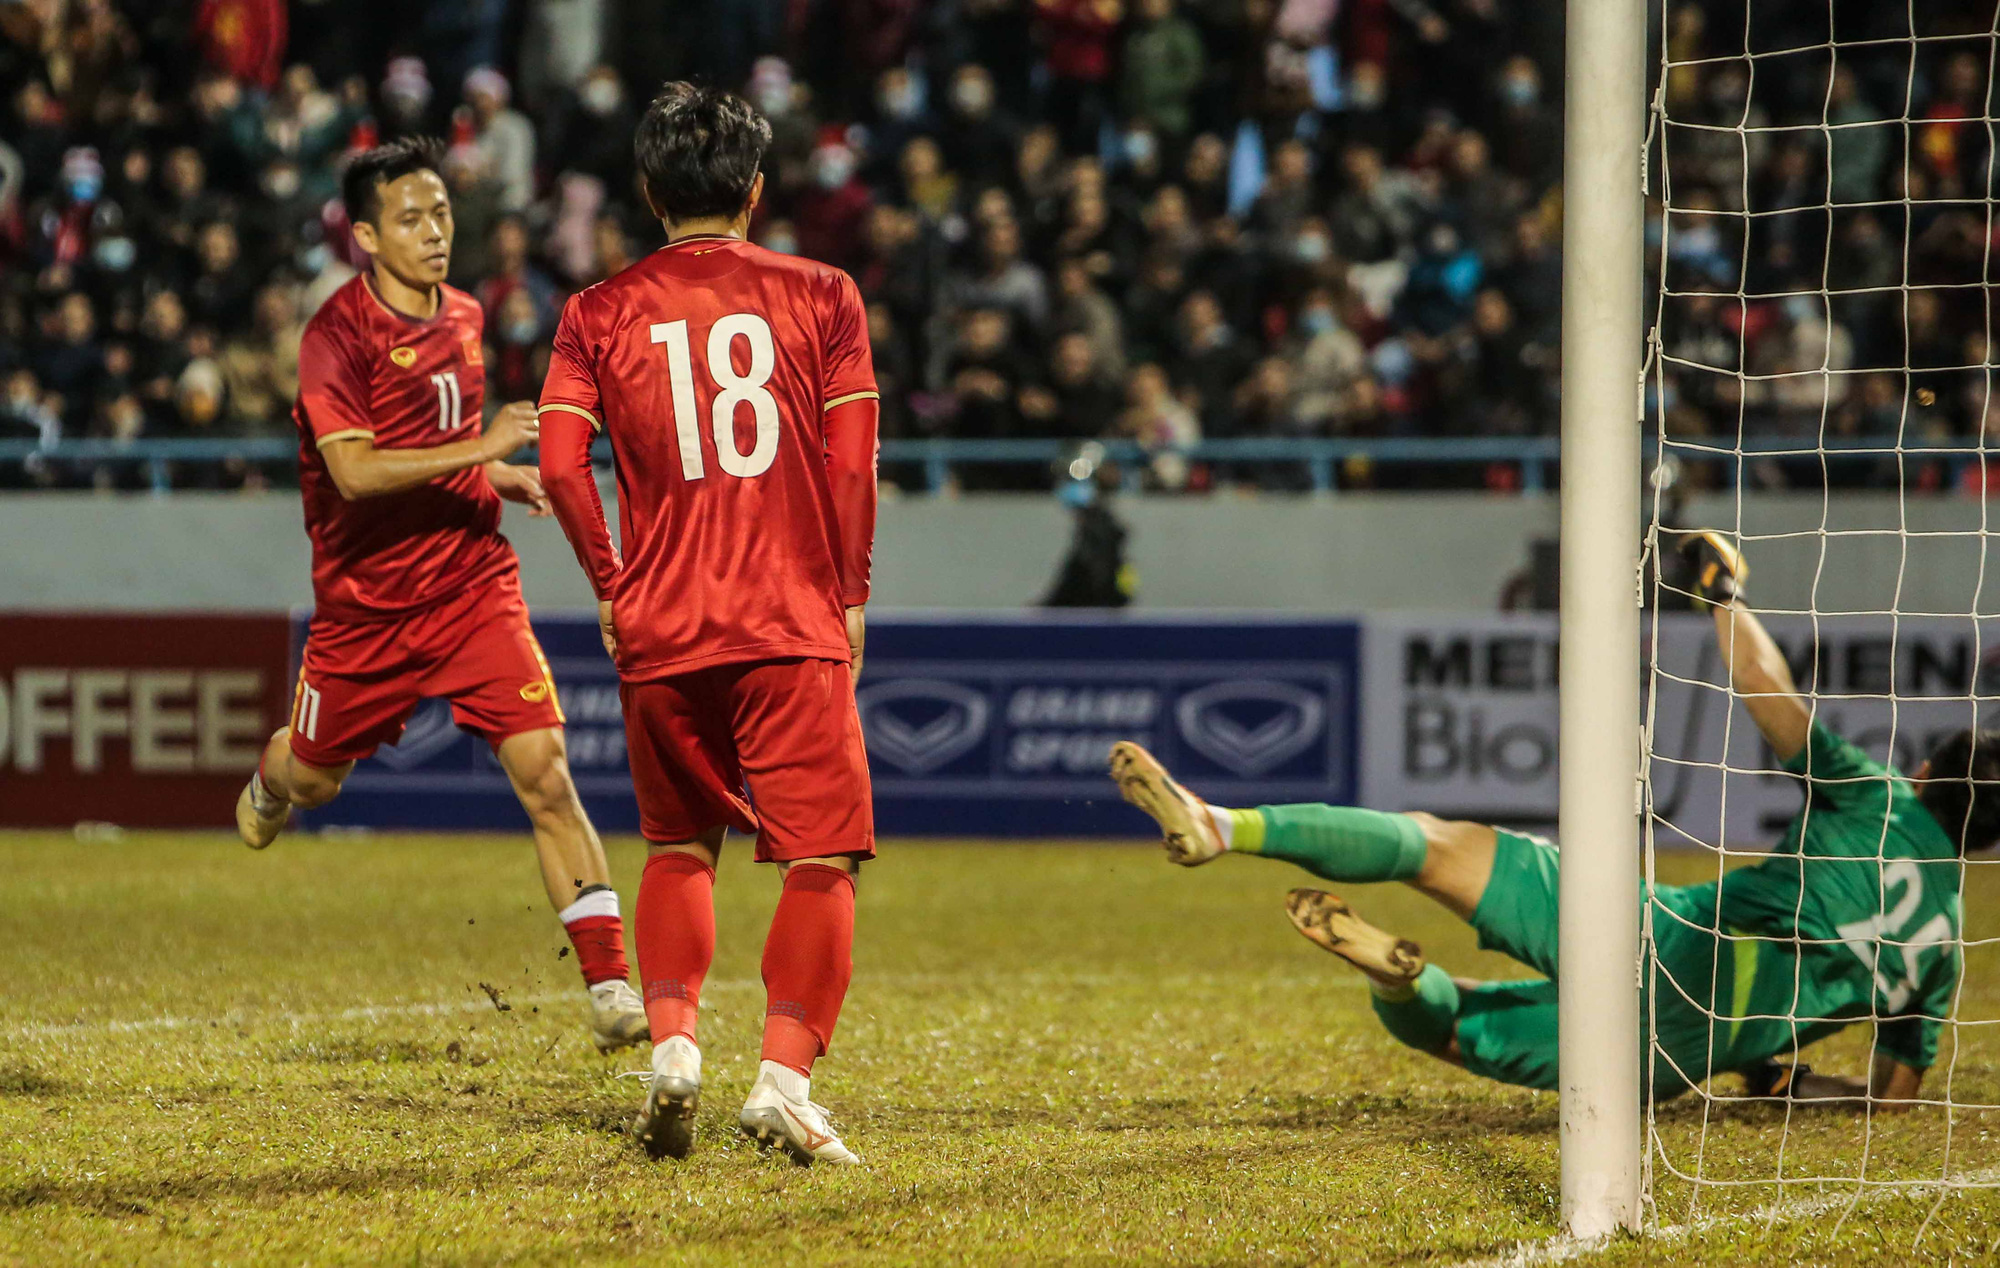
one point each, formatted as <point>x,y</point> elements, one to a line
<point>219,292</point>
<point>1329,368</point>
<point>978,137</point>
<point>1082,308</point>
<point>1212,362</point>
<point>832,214</point>
<point>1077,36</point>
<point>503,136</point>
<point>1158,420</point>
<point>260,368</point>
<point>70,362</point>
<point>511,270</point>
<point>1075,399</point>
<point>985,372</point>
<point>1161,67</point>
<point>1004,280</point>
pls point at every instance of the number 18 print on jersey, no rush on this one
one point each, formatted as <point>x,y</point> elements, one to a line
<point>712,365</point>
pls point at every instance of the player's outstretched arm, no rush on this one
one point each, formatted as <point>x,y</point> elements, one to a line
<point>360,470</point>
<point>1758,671</point>
<point>1891,1086</point>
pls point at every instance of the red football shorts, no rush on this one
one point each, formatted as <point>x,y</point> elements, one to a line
<point>360,680</point>
<point>780,735</point>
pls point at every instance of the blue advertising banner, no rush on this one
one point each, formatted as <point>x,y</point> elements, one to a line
<point>1000,725</point>
<point>980,725</point>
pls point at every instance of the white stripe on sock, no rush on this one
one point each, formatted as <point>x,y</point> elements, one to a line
<point>1225,826</point>
<point>599,902</point>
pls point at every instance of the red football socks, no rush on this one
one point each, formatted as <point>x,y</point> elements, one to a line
<point>808,961</point>
<point>598,934</point>
<point>674,928</point>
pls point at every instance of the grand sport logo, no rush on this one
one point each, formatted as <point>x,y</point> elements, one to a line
<point>919,725</point>
<point>429,732</point>
<point>1251,726</point>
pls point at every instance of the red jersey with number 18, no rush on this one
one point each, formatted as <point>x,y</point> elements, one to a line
<point>714,366</point>
<point>367,370</point>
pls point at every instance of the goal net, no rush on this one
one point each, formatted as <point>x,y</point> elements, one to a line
<point>1820,380</point>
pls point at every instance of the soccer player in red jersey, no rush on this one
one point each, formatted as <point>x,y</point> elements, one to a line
<point>737,390</point>
<point>416,593</point>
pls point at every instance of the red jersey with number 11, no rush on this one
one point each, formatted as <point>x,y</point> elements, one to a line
<point>367,370</point>
<point>715,368</point>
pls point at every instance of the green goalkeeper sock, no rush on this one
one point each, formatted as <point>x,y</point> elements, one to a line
<point>1423,1014</point>
<point>1335,843</point>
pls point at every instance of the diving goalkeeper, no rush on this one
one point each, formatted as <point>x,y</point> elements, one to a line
<point>1854,917</point>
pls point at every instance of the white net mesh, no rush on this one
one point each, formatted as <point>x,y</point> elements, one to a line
<point>1820,377</point>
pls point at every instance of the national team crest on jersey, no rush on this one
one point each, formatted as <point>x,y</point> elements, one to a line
<point>404,357</point>
<point>470,347</point>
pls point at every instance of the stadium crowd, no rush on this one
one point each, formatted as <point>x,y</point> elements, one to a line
<point>1154,219</point>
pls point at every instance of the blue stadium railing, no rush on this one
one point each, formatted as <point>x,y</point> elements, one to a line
<point>1320,458</point>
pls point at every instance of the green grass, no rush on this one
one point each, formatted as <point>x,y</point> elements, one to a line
<point>1051,1053</point>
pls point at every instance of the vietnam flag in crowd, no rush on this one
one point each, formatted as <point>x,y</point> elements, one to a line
<point>244,39</point>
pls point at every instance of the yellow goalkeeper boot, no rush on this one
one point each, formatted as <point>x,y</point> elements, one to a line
<point>1330,923</point>
<point>1186,829</point>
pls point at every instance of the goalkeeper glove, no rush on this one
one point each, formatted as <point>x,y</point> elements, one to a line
<point>1774,1078</point>
<point>1718,570</point>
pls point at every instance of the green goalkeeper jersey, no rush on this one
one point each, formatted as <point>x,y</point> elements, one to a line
<point>1855,915</point>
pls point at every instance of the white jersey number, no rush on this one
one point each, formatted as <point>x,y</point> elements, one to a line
<point>1865,937</point>
<point>737,389</point>
<point>450,408</point>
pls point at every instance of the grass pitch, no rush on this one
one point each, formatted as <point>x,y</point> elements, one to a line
<point>1052,1053</point>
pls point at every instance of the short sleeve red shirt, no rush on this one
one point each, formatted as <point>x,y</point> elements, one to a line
<point>711,365</point>
<point>367,370</point>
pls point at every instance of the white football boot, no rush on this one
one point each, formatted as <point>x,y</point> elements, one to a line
<point>260,814</point>
<point>617,1016</point>
<point>1186,829</point>
<point>665,1126</point>
<point>778,1112</point>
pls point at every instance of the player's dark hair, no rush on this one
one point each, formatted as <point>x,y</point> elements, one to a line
<point>1961,789</point>
<point>367,172</point>
<point>698,151</point>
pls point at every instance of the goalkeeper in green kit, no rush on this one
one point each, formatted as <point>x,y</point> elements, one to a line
<point>1854,917</point>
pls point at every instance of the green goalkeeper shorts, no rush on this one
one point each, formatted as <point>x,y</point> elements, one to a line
<point>1516,916</point>
<point>1507,1030</point>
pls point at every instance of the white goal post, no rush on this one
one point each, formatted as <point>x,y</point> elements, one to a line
<point>1598,982</point>
<point>1781,242</point>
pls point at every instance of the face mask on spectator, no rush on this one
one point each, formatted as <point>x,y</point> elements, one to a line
<point>521,331</point>
<point>1364,93</point>
<point>1311,248</point>
<point>84,187</point>
<point>832,167</point>
<point>1316,321</point>
<point>899,101</point>
<point>1140,147</point>
<point>314,259</point>
<point>281,181</point>
<point>1520,90</point>
<point>782,243</point>
<point>115,254</point>
<point>773,98</point>
<point>601,95</point>
<point>973,96</point>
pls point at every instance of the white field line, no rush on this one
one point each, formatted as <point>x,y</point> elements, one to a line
<point>1556,1250</point>
<point>479,1003</point>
